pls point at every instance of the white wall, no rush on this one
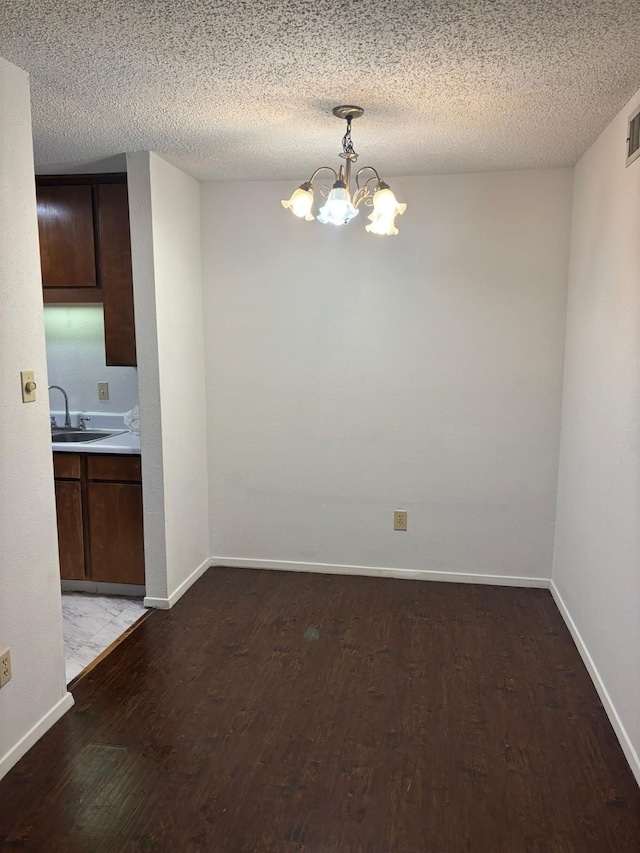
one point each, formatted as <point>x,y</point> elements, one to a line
<point>597,551</point>
<point>30,609</point>
<point>165,233</point>
<point>76,360</point>
<point>349,375</point>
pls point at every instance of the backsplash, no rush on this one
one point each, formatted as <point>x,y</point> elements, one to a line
<point>76,361</point>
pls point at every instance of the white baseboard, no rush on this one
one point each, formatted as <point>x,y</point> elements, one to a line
<point>381,572</point>
<point>167,603</point>
<point>101,588</point>
<point>34,734</point>
<point>621,733</point>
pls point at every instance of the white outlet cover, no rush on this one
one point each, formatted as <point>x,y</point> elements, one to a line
<point>5,668</point>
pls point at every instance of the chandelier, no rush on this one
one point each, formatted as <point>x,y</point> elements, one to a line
<point>341,207</point>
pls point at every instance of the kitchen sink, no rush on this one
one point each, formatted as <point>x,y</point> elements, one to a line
<point>83,435</point>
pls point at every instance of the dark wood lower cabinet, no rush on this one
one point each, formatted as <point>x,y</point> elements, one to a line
<point>70,529</point>
<point>100,528</point>
<point>115,524</point>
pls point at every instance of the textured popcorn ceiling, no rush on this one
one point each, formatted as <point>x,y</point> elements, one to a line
<point>243,89</point>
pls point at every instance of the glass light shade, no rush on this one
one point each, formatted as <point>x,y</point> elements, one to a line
<point>300,203</point>
<point>337,210</point>
<point>382,225</point>
<point>385,209</point>
<point>386,204</point>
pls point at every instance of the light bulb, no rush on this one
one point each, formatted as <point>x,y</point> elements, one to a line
<point>337,210</point>
<point>300,202</point>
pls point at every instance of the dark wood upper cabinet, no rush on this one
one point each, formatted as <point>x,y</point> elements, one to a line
<point>115,268</point>
<point>85,251</point>
<point>65,226</point>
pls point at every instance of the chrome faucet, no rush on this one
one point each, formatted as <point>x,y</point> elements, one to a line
<point>67,419</point>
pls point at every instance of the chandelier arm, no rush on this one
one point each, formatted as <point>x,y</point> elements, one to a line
<point>364,169</point>
<point>320,169</point>
<point>364,191</point>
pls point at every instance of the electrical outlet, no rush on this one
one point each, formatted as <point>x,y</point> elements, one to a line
<point>5,667</point>
<point>103,390</point>
<point>400,519</point>
<point>27,380</point>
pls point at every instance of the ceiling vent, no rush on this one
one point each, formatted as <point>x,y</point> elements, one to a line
<point>633,137</point>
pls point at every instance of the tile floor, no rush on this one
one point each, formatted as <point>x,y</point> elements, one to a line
<point>91,623</point>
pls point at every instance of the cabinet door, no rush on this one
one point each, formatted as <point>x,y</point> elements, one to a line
<point>115,524</point>
<point>65,226</point>
<point>70,529</point>
<point>115,272</point>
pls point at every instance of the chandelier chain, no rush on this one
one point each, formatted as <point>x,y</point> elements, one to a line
<point>347,144</point>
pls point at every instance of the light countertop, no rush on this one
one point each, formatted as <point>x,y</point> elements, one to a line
<point>125,442</point>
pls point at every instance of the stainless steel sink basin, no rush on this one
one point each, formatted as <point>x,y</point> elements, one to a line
<point>83,435</point>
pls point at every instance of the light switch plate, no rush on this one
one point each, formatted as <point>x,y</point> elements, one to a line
<point>103,390</point>
<point>28,381</point>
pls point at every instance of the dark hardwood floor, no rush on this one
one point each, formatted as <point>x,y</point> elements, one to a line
<point>271,712</point>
